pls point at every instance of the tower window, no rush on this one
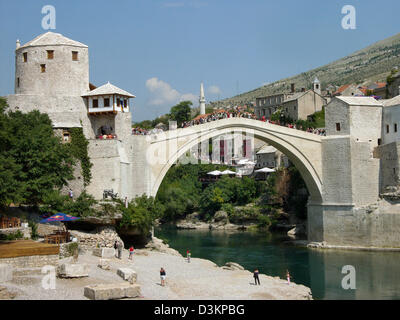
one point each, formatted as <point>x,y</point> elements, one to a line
<point>95,103</point>
<point>17,82</point>
<point>74,55</point>
<point>25,55</point>
<point>337,126</point>
<point>66,136</point>
<point>395,127</point>
<point>50,54</point>
<point>387,128</point>
<point>43,68</point>
<point>106,102</point>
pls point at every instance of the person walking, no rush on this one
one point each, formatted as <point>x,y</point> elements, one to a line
<point>256,278</point>
<point>163,276</point>
<point>71,194</point>
<point>188,254</point>
<point>119,249</point>
<point>131,251</point>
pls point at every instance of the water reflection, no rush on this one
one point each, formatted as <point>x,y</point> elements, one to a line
<point>321,270</point>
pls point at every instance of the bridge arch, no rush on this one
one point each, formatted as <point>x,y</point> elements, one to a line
<point>302,148</point>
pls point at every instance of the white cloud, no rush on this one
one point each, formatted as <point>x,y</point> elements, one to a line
<point>173,4</point>
<point>162,93</point>
<point>214,90</point>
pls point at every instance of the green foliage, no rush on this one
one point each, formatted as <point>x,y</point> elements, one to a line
<point>12,236</point>
<point>78,148</point>
<point>32,160</point>
<point>54,202</point>
<point>181,112</point>
<point>72,248</point>
<point>140,213</point>
<point>34,227</point>
<point>264,221</point>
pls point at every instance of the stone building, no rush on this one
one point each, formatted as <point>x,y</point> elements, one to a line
<point>296,105</point>
<point>52,76</point>
<point>348,90</point>
<point>269,156</point>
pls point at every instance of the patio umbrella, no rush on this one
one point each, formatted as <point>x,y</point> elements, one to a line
<point>215,173</point>
<point>228,172</point>
<point>61,217</point>
<point>265,170</point>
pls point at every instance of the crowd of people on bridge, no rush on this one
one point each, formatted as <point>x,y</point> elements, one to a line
<point>217,115</point>
<point>224,114</point>
<point>320,132</point>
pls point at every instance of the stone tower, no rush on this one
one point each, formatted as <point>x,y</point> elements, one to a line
<point>202,100</point>
<point>51,64</point>
<point>317,86</point>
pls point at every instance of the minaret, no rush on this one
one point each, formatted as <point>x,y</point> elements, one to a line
<point>202,100</point>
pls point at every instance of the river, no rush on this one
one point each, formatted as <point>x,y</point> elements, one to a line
<point>376,273</point>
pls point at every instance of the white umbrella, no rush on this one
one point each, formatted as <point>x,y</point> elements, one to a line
<point>265,170</point>
<point>243,161</point>
<point>228,172</point>
<point>215,173</point>
<point>251,163</point>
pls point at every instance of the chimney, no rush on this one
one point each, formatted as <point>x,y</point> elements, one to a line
<point>18,43</point>
<point>292,88</point>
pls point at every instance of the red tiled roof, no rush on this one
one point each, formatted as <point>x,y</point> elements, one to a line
<point>341,89</point>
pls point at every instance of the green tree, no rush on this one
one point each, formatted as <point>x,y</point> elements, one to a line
<point>33,160</point>
<point>181,112</point>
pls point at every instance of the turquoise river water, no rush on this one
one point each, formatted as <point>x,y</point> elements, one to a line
<point>377,273</point>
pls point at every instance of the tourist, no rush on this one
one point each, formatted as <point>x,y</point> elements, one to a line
<point>131,251</point>
<point>163,275</point>
<point>188,256</point>
<point>288,276</point>
<point>116,247</point>
<point>256,278</point>
<point>71,194</point>
<point>119,247</point>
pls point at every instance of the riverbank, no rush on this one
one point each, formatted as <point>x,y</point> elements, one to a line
<point>198,280</point>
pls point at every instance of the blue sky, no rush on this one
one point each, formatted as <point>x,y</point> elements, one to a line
<point>160,50</point>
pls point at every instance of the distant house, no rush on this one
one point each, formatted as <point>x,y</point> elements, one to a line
<point>348,90</point>
<point>393,88</point>
<point>376,89</point>
<point>268,156</point>
<point>296,105</point>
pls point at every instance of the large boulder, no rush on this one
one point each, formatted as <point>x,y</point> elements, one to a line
<point>299,229</point>
<point>106,253</point>
<point>104,264</point>
<point>6,273</point>
<point>112,291</point>
<point>232,266</point>
<point>221,216</point>
<point>127,274</point>
<point>73,270</point>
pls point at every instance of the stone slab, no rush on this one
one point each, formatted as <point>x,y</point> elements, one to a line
<point>112,291</point>
<point>6,273</point>
<point>104,252</point>
<point>104,264</point>
<point>69,270</point>
<point>127,274</point>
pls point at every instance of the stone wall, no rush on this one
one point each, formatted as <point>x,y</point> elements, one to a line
<point>389,166</point>
<point>25,231</point>
<point>32,261</point>
<point>101,237</point>
<point>45,229</point>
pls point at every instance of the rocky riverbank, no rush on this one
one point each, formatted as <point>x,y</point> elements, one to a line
<point>199,279</point>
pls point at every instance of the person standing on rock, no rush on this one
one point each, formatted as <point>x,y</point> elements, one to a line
<point>256,278</point>
<point>163,276</point>
<point>188,254</point>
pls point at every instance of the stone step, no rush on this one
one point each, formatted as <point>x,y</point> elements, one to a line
<point>112,291</point>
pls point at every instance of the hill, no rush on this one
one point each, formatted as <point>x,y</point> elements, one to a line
<point>373,63</point>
